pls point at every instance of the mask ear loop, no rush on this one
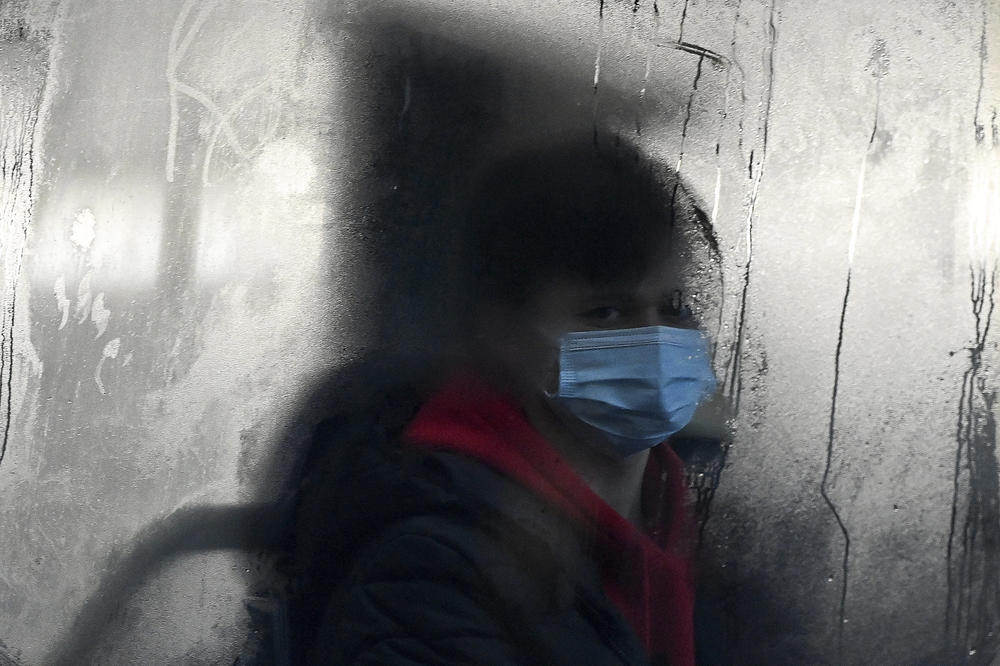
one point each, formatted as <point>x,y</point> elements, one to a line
<point>556,343</point>
<point>551,395</point>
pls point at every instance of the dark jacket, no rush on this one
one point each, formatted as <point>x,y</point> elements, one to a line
<point>432,557</point>
<point>477,571</point>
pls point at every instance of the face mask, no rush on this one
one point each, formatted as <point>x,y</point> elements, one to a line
<point>636,385</point>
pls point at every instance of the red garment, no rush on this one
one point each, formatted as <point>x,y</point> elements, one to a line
<point>645,574</point>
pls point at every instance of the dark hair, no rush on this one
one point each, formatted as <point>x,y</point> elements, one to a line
<point>598,214</point>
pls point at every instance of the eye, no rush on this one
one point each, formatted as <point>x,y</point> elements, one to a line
<point>606,314</point>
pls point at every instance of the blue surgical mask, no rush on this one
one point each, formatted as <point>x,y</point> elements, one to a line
<point>637,386</point>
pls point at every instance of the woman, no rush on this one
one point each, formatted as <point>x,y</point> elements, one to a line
<point>528,514</point>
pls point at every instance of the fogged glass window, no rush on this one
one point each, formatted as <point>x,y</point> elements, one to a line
<point>321,320</point>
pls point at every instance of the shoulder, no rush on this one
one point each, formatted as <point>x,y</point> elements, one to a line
<point>415,556</point>
<point>415,595</point>
<point>447,575</point>
<point>475,569</point>
<point>458,512</point>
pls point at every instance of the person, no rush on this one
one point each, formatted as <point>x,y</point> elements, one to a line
<point>529,512</point>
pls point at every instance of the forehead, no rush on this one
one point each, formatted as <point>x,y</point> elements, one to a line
<point>684,261</point>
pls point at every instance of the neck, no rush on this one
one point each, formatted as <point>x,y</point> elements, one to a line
<point>616,480</point>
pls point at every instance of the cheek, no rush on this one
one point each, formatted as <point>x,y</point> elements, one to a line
<point>542,365</point>
<point>534,364</point>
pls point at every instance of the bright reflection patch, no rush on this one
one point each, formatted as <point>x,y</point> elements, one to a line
<point>83,231</point>
<point>245,225</point>
<point>287,167</point>
<point>984,209</point>
<point>112,231</point>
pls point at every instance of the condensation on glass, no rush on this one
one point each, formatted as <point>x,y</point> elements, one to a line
<point>200,227</point>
